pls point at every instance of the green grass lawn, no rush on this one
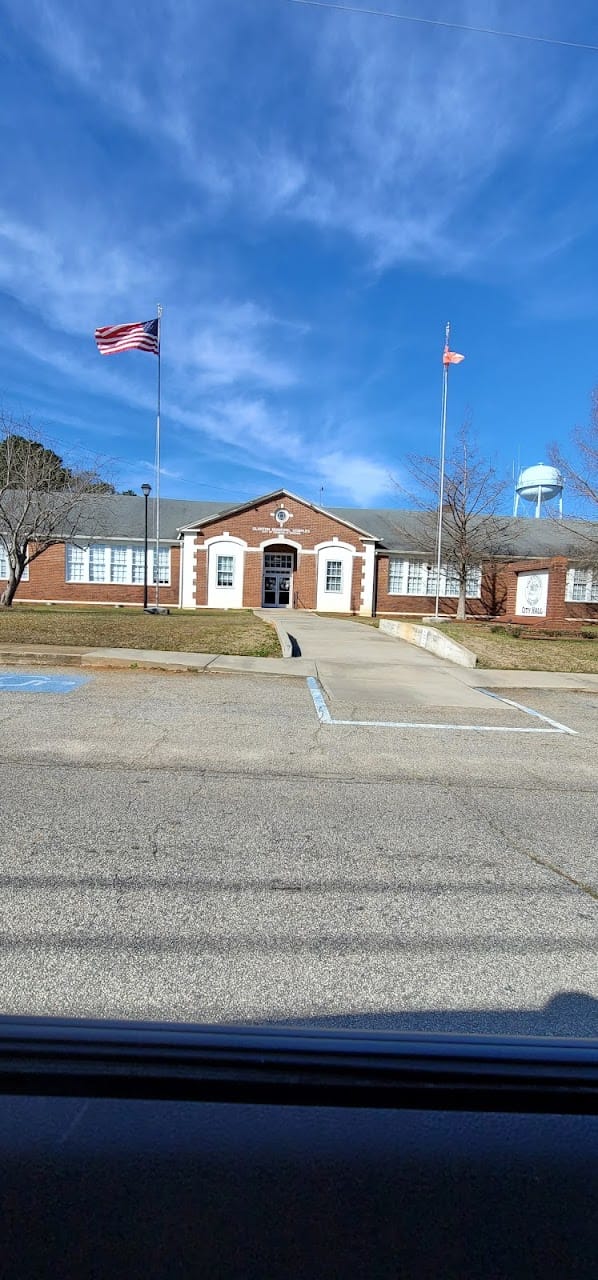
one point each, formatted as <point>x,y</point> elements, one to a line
<point>506,652</point>
<point>236,631</point>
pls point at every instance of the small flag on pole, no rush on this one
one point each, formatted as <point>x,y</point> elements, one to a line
<point>451,357</point>
<point>127,337</point>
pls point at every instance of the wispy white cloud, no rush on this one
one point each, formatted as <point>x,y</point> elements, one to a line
<point>229,343</point>
<point>360,477</point>
<point>395,133</point>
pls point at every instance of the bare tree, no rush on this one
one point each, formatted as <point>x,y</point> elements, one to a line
<point>473,527</point>
<point>580,474</point>
<point>42,501</point>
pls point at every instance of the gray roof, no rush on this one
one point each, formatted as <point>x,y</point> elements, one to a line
<point>115,515</point>
<point>407,532</point>
<point>524,537</point>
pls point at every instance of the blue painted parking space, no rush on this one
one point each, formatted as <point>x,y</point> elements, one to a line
<point>35,682</point>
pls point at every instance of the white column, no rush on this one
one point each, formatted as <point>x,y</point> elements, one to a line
<point>188,600</point>
<point>368,575</point>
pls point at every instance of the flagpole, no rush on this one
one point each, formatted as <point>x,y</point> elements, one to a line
<point>159,310</point>
<point>445,370</point>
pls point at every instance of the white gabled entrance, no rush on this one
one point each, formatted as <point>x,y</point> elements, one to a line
<point>277,589</point>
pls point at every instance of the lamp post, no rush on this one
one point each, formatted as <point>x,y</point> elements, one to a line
<point>146,490</point>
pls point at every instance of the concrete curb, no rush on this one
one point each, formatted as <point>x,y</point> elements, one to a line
<point>431,639</point>
<point>153,660</point>
<point>284,638</point>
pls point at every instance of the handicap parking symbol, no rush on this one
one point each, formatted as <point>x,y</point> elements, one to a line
<point>34,682</point>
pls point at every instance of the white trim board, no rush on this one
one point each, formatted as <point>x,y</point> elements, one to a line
<point>554,726</point>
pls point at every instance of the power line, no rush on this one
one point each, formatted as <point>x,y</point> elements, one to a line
<point>440,22</point>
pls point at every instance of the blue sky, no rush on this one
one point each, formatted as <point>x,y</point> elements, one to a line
<point>310,195</point>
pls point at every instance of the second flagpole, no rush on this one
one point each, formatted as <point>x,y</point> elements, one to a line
<point>445,370</point>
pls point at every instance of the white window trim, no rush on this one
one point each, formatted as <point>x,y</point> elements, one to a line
<point>225,586</point>
<point>333,591</point>
<point>5,565</point>
<point>426,572</point>
<point>590,587</point>
<point>106,578</point>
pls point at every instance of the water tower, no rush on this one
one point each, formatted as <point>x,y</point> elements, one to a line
<point>539,484</point>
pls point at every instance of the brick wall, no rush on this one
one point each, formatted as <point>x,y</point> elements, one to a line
<point>356,585</point>
<point>322,528</point>
<point>556,606</point>
<point>492,600</point>
<point>578,612</point>
<point>47,582</point>
<point>252,581</point>
<point>257,525</point>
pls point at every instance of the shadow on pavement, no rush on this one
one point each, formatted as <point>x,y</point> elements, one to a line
<point>570,1013</point>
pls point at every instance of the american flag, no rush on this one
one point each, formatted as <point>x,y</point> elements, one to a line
<point>125,337</point>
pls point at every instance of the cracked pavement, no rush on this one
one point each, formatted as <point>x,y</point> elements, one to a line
<point>200,847</point>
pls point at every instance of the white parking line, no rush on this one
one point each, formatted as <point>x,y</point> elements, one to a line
<point>529,711</point>
<point>325,717</point>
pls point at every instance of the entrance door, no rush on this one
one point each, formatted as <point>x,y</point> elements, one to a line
<point>278,577</point>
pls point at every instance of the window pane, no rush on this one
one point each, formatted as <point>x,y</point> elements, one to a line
<point>278,560</point>
<point>225,567</point>
<point>415,578</point>
<point>75,564</point>
<point>431,578</point>
<point>164,566</point>
<point>580,584</point>
<point>3,561</point>
<point>97,564</point>
<point>138,565</point>
<point>118,564</point>
<point>334,575</point>
<point>395,576</point>
<point>451,581</point>
<point>473,584</point>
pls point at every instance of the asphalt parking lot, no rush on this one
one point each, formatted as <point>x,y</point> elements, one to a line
<point>203,847</point>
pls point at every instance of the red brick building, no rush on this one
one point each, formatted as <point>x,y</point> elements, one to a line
<point>281,551</point>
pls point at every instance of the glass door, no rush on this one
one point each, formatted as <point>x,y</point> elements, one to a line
<point>278,578</point>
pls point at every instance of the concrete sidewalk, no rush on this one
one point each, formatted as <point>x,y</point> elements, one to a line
<point>43,655</point>
<point>359,666</point>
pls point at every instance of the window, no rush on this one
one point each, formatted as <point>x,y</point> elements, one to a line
<point>163,566</point>
<point>138,566</point>
<point>97,563</point>
<point>451,581</point>
<point>395,576</point>
<point>5,565</point>
<point>118,564</point>
<point>334,575</point>
<point>278,560</point>
<point>225,571</point>
<point>421,579</point>
<point>76,566</point>
<point>582,585</point>
<point>415,578</point>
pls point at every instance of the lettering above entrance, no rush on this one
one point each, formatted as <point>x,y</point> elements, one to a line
<point>263,528</point>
